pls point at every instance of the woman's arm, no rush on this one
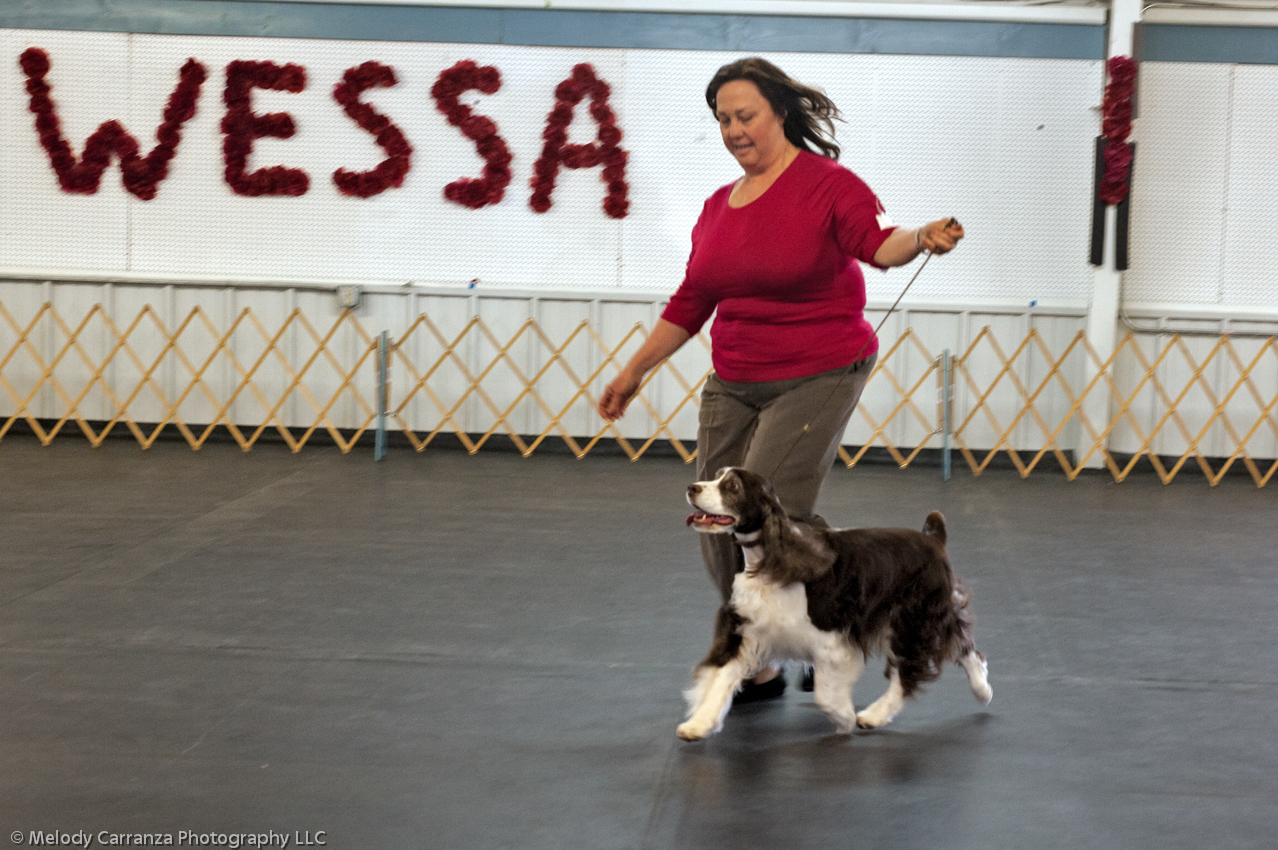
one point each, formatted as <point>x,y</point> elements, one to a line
<point>904,244</point>
<point>666,338</point>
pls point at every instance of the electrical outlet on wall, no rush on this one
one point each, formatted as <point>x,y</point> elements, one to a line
<point>348,295</point>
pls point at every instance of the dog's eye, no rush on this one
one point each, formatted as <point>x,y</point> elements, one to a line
<point>731,486</point>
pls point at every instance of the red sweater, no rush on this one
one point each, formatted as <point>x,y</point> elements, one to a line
<point>783,273</point>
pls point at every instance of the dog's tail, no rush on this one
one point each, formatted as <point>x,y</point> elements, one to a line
<point>934,526</point>
<point>960,596</point>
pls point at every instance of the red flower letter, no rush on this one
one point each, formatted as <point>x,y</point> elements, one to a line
<point>569,93</point>
<point>141,174</point>
<point>241,127</point>
<point>390,171</point>
<point>1117,111</point>
<point>462,77</point>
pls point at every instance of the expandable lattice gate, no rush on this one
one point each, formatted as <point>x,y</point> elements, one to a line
<point>1166,399</point>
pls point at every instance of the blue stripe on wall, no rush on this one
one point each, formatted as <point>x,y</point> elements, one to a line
<point>562,28</point>
<point>1195,43</point>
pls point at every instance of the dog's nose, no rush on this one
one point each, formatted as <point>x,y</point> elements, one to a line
<point>694,489</point>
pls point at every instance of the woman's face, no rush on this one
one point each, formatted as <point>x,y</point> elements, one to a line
<point>752,132</point>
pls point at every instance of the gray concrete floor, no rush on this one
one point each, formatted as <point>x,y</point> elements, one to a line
<point>441,651</point>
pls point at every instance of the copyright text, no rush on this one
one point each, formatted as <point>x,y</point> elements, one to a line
<point>182,838</point>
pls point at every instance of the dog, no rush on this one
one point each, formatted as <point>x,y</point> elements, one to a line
<point>832,598</point>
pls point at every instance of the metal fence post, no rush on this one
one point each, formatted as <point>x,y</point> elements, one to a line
<point>379,443</point>
<point>947,395</point>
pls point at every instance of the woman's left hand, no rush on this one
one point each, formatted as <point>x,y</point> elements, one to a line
<point>940,237</point>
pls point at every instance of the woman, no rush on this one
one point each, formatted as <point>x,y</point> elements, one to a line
<point>776,254</point>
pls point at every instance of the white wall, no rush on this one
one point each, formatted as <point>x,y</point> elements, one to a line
<point>1001,143</point>
<point>1005,144</point>
<point>1205,193</point>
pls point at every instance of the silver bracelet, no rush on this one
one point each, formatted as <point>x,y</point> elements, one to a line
<point>917,246</point>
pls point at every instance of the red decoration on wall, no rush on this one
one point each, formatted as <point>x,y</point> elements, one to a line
<point>556,151</point>
<point>1117,126</point>
<point>242,127</point>
<point>391,171</point>
<point>142,175</point>
<point>452,82</point>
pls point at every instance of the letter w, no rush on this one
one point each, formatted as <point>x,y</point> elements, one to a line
<point>141,174</point>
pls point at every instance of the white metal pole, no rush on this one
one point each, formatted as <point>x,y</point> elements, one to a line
<point>1102,315</point>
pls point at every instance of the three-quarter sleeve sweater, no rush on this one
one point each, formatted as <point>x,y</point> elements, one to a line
<point>783,273</point>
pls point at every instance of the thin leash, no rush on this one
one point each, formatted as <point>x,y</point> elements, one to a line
<point>851,368</point>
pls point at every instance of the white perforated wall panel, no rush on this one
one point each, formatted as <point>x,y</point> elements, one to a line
<point>1178,195</point>
<point>408,234</point>
<point>1249,277</point>
<point>39,224</point>
<point>687,161</point>
<point>1004,144</point>
<point>1001,144</point>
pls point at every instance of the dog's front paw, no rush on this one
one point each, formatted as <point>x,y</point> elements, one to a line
<point>690,731</point>
<point>844,721</point>
<point>871,719</point>
<point>984,693</point>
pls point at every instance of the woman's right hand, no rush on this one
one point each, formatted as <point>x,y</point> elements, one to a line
<point>665,339</point>
<point>617,395</point>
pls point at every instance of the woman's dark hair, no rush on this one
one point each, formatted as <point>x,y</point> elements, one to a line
<point>808,115</point>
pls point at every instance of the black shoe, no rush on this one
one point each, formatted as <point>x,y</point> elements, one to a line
<point>771,689</point>
<point>809,679</point>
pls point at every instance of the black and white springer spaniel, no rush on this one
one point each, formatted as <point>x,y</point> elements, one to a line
<point>832,598</point>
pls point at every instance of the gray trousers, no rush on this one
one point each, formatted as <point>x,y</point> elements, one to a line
<point>754,425</point>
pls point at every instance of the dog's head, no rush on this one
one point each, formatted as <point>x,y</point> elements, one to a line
<point>737,501</point>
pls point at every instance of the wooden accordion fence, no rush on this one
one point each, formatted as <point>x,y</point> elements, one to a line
<point>1212,401</point>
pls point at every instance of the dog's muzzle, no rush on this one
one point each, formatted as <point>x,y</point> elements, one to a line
<point>701,519</point>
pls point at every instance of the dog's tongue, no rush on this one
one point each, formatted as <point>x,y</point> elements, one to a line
<point>703,518</point>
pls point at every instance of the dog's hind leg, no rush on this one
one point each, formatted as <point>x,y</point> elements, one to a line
<point>972,662</point>
<point>883,709</point>
<point>711,697</point>
<point>837,669</point>
<point>978,671</point>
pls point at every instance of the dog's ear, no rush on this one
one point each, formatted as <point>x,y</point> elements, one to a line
<point>789,554</point>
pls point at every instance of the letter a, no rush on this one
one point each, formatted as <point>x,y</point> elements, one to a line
<point>556,151</point>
